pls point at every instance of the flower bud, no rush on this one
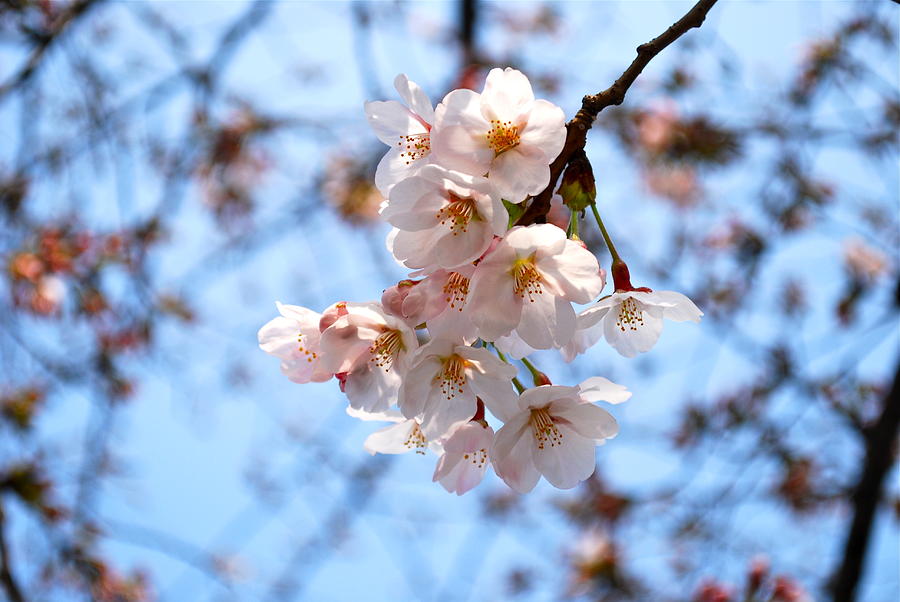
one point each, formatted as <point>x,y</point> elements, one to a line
<point>393,297</point>
<point>330,315</point>
<point>578,189</point>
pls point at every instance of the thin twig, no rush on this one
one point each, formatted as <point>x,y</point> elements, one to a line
<point>592,104</point>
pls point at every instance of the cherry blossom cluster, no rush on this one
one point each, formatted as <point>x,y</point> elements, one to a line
<point>436,357</point>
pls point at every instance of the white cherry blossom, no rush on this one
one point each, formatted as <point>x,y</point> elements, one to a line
<point>293,337</point>
<point>445,380</point>
<point>631,321</point>
<point>527,284</point>
<point>465,458</point>
<point>554,433</point>
<point>406,129</point>
<point>368,350</point>
<point>502,132</point>
<point>443,219</point>
<point>398,438</point>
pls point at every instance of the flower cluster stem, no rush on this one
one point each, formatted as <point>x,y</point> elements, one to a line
<point>606,238</point>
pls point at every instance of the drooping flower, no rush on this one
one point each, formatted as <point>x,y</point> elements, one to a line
<point>293,337</point>
<point>368,350</point>
<point>631,321</point>
<point>398,438</point>
<point>502,132</point>
<point>527,284</point>
<point>554,433</point>
<point>444,381</point>
<point>465,458</point>
<point>406,129</point>
<point>443,219</point>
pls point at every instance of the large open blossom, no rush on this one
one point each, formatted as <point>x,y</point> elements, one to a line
<point>406,129</point>
<point>528,283</point>
<point>368,350</point>
<point>554,433</point>
<point>445,380</point>
<point>293,337</point>
<point>631,321</point>
<point>443,218</point>
<point>502,132</point>
<point>465,458</point>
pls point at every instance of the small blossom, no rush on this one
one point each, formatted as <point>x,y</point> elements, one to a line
<point>465,458</point>
<point>401,437</point>
<point>631,321</point>
<point>446,379</point>
<point>502,132</point>
<point>554,432</point>
<point>443,218</point>
<point>293,337</point>
<point>369,350</point>
<point>406,129</point>
<point>527,282</point>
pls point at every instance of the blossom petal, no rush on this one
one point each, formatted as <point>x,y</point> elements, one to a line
<point>391,439</point>
<point>389,120</point>
<point>575,273</point>
<point>567,464</point>
<point>634,339</point>
<point>547,321</point>
<point>415,98</point>
<point>507,95</point>
<point>546,129</point>
<point>598,388</point>
<point>519,172</point>
<point>587,420</point>
<point>458,148</point>
<point>511,454</point>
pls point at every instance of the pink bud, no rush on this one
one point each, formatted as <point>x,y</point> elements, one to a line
<point>393,297</point>
<point>330,315</point>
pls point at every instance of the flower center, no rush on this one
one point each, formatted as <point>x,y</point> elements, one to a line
<point>415,146</point>
<point>502,136</point>
<point>458,213</point>
<point>630,315</point>
<point>310,355</point>
<point>477,457</point>
<point>527,278</point>
<point>416,440</point>
<point>456,289</point>
<point>453,376</point>
<point>544,429</point>
<point>385,349</point>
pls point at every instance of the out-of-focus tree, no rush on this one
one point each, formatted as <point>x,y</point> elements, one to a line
<point>138,173</point>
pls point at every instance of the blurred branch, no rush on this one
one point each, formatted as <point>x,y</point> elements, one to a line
<point>43,42</point>
<point>468,27</point>
<point>6,578</point>
<point>879,440</point>
<point>592,104</point>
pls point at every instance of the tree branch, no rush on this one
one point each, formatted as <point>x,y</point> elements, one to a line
<point>592,104</point>
<point>44,41</point>
<point>879,439</point>
<point>7,581</point>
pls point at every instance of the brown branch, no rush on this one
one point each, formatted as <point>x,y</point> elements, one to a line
<point>7,581</point>
<point>44,41</point>
<point>592,104</point>
<point>879,439</point>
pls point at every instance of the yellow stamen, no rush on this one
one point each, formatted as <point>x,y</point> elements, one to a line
<point>527,278</point>
<point>544,429</point>
<point>416,146</point>
<point>456,289</point>
<point>502,136</point>
<point>630,315</point>
<point>385,349</point>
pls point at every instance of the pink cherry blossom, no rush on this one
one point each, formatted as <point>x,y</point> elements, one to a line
<point>554,433</point>
<point>445,380</point>
<point>293,337</point>
<point>443,219</point>
<point>369,350</point>
<point>502,132</point>
<point>465,458</point>
<point>406,129</point>
<point>631,321</point>
<point>527,284</point>
<point>402,436</point>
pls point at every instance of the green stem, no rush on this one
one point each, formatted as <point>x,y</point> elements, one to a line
<point>573,224</point>
<point>536,374</point>
<point>609,242</point>
<point>515,381</point>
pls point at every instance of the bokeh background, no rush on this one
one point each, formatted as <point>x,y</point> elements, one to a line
<point>170,169</point>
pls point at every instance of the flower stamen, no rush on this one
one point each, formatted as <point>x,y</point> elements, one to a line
<point>457,290</point>
<point>459,212</point>
<point>385,349</point>
<point>310,355</point>
<point>416,440</point>
<point>416,146</point>
<point>630,315</point>
<point>453,376</point>
<point>527,279</point>
<point>502,136</point>
<point>544,429</point>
